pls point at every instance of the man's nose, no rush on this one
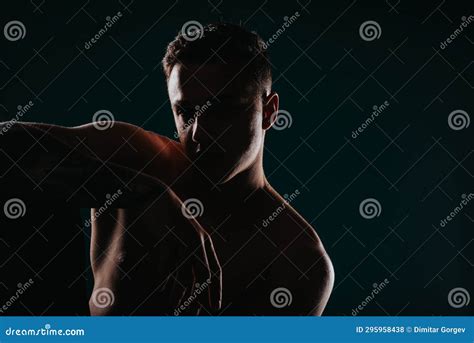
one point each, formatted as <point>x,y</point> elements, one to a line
<point>198,133</point>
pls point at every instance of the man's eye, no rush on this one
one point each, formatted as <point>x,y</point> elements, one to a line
<point>185,112</point>
<point>187,115</point>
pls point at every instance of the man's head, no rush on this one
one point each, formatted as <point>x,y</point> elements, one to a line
<point>219,84</point>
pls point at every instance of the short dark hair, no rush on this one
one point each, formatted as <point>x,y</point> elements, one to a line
<point>221,43</point>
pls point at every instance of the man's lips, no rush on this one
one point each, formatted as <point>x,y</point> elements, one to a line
<point>203,151</point>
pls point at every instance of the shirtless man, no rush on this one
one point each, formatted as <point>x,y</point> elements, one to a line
<point>220,91</point>
<point>281,269</point>
<point>146,257</point>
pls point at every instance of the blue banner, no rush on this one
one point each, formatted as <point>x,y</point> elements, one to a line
<point>237,329</point>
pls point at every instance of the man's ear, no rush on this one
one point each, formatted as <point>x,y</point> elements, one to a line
<point>270,110</point>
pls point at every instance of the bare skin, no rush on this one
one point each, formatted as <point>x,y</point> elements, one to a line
<point>256,259</point>
<point>219,161</point>
<point>225,144</point>
<point>143,250</point>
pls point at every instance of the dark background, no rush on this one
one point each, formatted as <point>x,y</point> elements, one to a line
<point>329,79</point>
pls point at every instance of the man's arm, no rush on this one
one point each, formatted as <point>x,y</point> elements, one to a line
<point>84,163</point>
<point>302,278</point>
<point>83,167</point>
<point>123,143</point>
<point>319,284</point>
<point>307,281</point>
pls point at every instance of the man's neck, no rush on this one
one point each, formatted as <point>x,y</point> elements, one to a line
<point>238,189</point>
<point>243,184</point>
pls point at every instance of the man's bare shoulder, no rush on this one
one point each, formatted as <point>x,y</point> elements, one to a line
<point>126,133</point>
<point>285,223</point>
<point>304,265</point>
<point>137,148</point>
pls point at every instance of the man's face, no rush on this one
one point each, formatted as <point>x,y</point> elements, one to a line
<point>218,116</point>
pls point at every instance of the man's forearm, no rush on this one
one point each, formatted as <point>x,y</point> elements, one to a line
<point>34,163</point>
<point>124,144</point>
